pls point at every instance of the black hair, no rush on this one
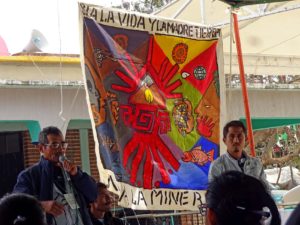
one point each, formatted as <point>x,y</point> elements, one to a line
<point>46,131</point>
<point>21,209</point>
<point>294,218</point>
<point>237,198</point>
<point>100,186</point>
<point>233,123</point>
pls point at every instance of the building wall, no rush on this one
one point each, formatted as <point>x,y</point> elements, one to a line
<point>31,152</point>
<point>264,103</point>
<point>44,105</point>
<point>32,155</point>
<point>92,155</point>
<point>33,70</point>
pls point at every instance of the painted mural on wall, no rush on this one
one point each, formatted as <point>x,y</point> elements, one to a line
<point>153,92</point>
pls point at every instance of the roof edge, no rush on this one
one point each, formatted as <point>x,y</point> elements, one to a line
<point>49,59</point>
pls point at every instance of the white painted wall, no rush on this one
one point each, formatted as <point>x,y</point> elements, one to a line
<point>40,71</point>
<point>43,105</point>
<point>264,103</point>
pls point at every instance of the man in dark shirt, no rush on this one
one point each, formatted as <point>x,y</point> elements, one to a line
<point>63,190</point>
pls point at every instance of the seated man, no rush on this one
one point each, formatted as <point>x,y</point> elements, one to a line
<point>235,137</point>
<point>61,187</point>
<point>100,209</point>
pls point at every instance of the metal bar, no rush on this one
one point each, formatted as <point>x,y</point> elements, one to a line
<point>285,9</point>
<point>164,7</point>
<point>47,59</point>
<point>262,8</point>
<point>181,9</point>
<point>172,221</point>
<point>250,11</point>
<point>160,215</point>
<point>243,83</point>
<point>84,150</point>
<point>287,204</point>
<point>230,47</point>
<point>202,10</point>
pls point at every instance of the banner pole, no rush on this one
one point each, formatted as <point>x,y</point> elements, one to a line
<point>243,82</point>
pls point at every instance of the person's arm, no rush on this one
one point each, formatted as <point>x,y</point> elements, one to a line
<point>86,185</point>
<point>24,184</point>
<point>52,207</point>
<point>263,177</point>
<point>214,170</point>
<point>82,181</point>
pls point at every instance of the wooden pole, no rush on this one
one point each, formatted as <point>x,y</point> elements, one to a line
<point>243,83</point>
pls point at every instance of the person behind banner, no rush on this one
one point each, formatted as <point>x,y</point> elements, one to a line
<point>234,198</point>
<point>235,137</point>
<point>100,209</point>
<point>21,209</point>
<point>61,187</point>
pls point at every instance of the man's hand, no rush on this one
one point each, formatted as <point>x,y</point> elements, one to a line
<point>70,167</point>
<point>52,207</point>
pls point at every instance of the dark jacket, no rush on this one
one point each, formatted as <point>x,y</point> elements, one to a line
<point>38,179</point>
<point>294,218</point>
<point>108,220</point>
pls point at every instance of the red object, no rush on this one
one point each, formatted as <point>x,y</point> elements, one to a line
<point>3,48</point>
<point>148,119</point>
<point>243,83</point>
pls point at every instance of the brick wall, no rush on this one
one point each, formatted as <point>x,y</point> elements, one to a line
<point>92,155</point>
<point>73,151</point>
<point>32,155</point>
<point>31,152</point>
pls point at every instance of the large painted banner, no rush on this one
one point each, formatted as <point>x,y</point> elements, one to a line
<point>153,92</point>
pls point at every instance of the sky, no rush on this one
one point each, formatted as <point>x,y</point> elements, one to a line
<point>57,20</point>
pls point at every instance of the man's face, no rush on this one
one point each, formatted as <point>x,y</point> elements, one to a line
<point>207,111</point>
<point>50,151</point>
<point>103,202</point>
<point>235,141</point>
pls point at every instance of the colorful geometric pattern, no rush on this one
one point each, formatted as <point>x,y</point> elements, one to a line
<point>155,103</point>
